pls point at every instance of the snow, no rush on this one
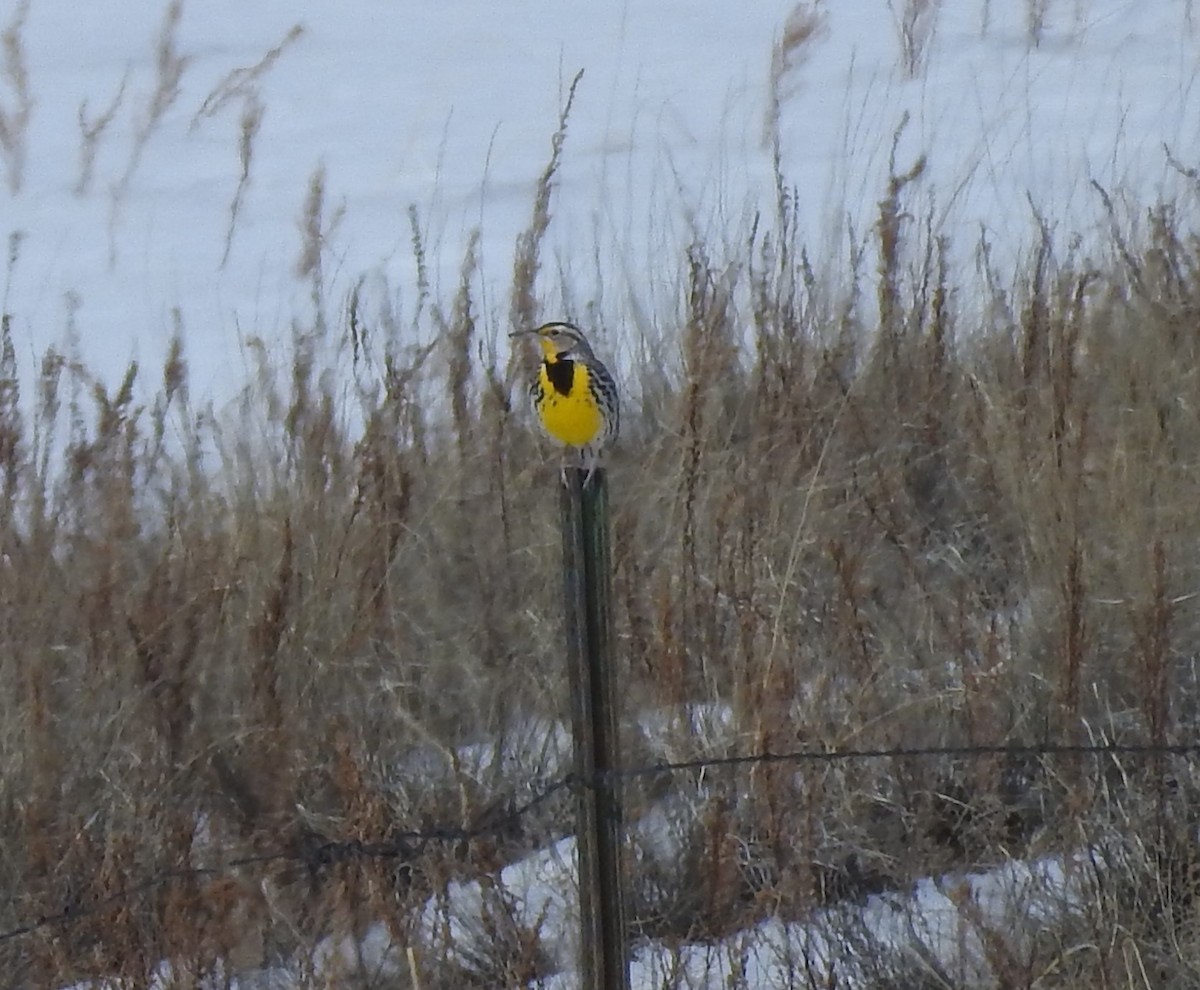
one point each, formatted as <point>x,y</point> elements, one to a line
<point>950,923</point>
<point>945,923</point>
<point>449,109</point>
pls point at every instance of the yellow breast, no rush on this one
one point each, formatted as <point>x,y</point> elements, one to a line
<point>572,417</point>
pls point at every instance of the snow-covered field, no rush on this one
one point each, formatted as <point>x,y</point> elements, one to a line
<point>120,179</point>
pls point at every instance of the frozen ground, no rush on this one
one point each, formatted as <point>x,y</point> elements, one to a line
<point>450,110</point>
<point>949,925</point>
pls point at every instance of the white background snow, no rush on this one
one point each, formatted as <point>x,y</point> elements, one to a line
<point>449,107</point>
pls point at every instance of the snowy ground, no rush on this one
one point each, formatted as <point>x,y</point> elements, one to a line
<point>450,110</point>
<point>942,924</point>
<point>949,925</point>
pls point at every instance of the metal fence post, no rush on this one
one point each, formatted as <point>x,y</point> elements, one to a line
<point>587,581</point>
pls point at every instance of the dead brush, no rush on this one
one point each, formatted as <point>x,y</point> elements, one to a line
<point>831,539</point>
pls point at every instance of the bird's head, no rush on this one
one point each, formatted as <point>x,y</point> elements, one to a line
<point>559,341</point>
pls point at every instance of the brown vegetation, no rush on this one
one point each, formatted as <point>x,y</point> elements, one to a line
<point>243,658</point>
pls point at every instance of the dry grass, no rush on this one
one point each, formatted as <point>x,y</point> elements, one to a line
<point>17,110</point>
<point>92,129</point>
<point>915,22</point>
<point>169,68</point>
<point>967,519</point>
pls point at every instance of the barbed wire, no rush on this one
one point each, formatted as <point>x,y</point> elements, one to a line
<point>406,845</point>
<point>907,752</point>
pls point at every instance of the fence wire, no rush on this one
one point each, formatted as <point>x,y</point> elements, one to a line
<point>408,845</point>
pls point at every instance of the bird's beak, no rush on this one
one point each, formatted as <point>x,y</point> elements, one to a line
<point>520,333</point>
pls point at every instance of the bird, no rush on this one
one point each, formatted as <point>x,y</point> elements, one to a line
<point>573,394</point>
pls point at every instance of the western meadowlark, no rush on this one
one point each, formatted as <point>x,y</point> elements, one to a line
<point>573,394</point>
